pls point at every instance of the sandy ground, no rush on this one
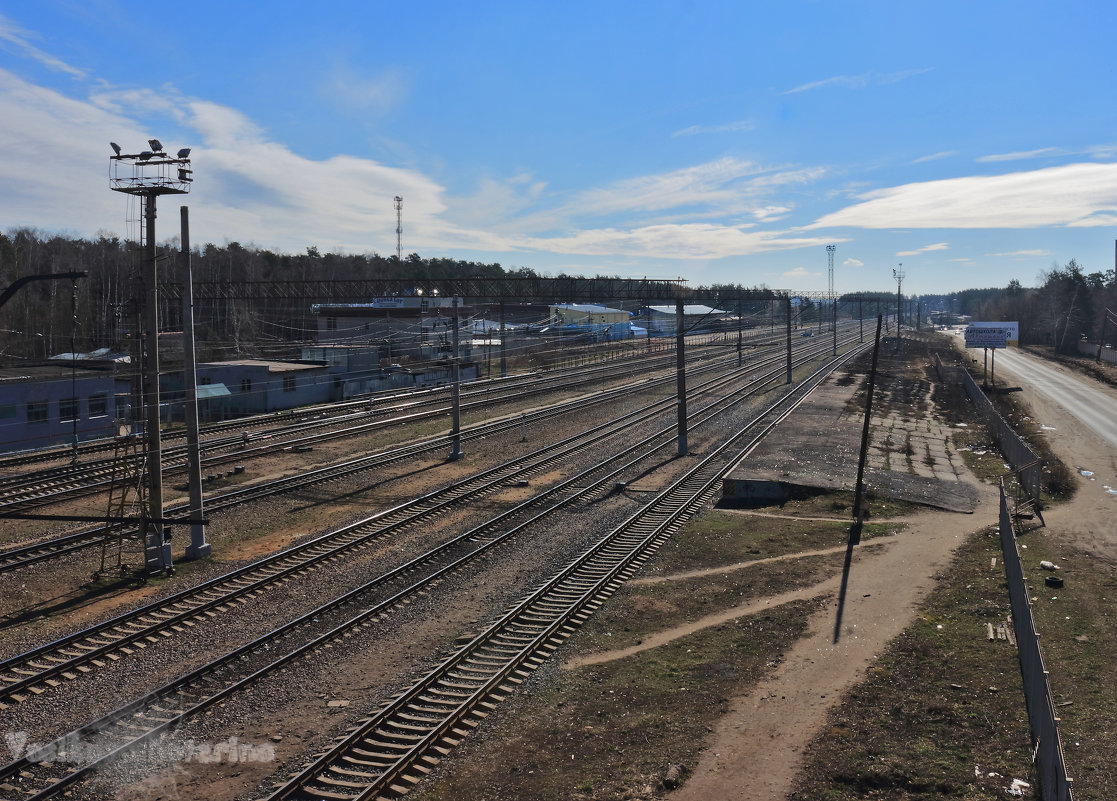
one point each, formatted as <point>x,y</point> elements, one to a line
<point>756,749</point>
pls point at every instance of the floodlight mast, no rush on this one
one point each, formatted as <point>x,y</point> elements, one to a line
<point>149,174</point>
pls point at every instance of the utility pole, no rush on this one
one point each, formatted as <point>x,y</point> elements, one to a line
<point>680,374</point>
<point>503,352</point>
<point>740,326</point>
<point>456,393</point>
<point>898,274</point>
<point>787,301</point>
<point>198,546</point>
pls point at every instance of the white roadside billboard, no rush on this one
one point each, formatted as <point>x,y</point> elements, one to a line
<point>992,335</point>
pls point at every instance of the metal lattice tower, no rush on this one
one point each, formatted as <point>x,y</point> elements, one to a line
<point>830,259</point>
<point>399,228</point>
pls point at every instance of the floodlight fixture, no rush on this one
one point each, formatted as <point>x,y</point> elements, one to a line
<point>150,172</point>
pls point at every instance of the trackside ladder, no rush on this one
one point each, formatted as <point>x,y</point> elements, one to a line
<point>122,550</point>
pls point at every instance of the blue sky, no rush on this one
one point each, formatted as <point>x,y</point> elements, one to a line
<point>973,143</point>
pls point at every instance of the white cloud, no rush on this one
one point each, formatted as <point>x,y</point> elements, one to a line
<point>1021,155</point>
<point>1095,220</point>
<point>704,184</point>
<point>726,189</point>
<point>853,263</point>
<point>247,187</point>
<point>943,154</point>
<point>1025,253</point>
<point>14,35</point>
<point>730,127</point>
<point>140,103</point>
<point>847,81</point>
<point>346,88</point>
<point>859,81</point>
<point>925,249</point>
<point>690,241</point>
<point>902,75</point>
<point>800,272</point>
<point>1072,195</point>
<point>252,189</point>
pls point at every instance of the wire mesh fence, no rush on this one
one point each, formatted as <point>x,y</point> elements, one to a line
<point>1054,784</point>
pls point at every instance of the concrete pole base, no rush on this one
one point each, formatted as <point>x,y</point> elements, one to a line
<point>198,551</point>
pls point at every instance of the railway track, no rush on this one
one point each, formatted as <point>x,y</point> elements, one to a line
<point>34,553</point>
<point>69,657</point>
<point>50,770</point>
<point>389,752</point>
<point>376,403</point>
<point>21,492</point>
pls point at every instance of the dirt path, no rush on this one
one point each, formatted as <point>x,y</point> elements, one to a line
<point>828,587</point>
<point>756,748</point>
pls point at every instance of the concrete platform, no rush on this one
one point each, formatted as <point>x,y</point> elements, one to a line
<point>911,452</point>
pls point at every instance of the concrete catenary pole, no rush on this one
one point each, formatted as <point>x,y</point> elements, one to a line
<point>788,302</point>
<point>740,335</point>
<point>456,393</point>
<point>680,373</point>
<point>503,351</point>
<point>198,546</point>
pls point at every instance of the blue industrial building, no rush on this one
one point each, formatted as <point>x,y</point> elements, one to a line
<point>256,386</point>
<point>57,405</point>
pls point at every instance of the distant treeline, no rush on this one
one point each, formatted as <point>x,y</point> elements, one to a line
<point>41,319</point>
<point>1068,304</point>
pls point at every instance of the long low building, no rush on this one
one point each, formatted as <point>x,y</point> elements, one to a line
<point>663,320</point>
<point>257,385</point>
<point>56,405</point>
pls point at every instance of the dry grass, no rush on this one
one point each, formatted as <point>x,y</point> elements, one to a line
<point>941,705</point>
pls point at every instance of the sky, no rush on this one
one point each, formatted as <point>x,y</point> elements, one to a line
<point>965,144</point>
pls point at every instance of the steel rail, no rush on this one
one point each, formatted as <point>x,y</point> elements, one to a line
<point>27,671</point>
<point>33,553</point>
<point>160,709</point>
<point>61,483</point>
<point>381,756</point>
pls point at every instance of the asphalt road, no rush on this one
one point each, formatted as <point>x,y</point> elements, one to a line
<point>1087,401</point>
<point>1078,416</point>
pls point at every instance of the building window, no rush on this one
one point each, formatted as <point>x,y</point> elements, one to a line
<point>98,405</point>
<point>288,383</point>
<point>67,410</point>
<point>331,323</point>
<point>246,385</point>
<point>205,381</point>
<point>37,411</point>
<point>7,412</point>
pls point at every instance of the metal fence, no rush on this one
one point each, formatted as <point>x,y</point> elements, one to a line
<point>948,375</point>
<point>1097,351</point>
<point>1023,459</point>
<point>1054,785</point>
